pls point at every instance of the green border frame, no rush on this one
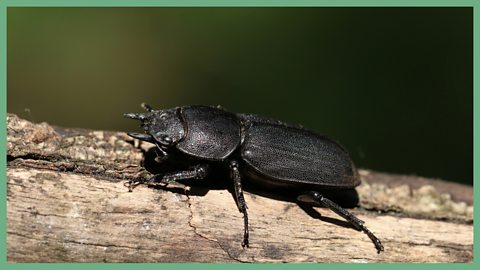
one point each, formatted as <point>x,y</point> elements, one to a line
<point>226,3</point>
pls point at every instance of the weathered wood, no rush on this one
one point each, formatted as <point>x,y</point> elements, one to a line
<point>66,203</point>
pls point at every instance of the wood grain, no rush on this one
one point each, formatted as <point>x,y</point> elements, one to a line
<point>66,202</point>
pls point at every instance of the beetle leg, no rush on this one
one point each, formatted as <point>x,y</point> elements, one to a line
<point>198,172</point>
<point>241,204</point>
<point>356,222</point>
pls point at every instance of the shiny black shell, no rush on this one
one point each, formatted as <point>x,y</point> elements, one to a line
<point>273,153</point>
<point>258,149</point>
<point>210,133</point>
<point>286,156</point>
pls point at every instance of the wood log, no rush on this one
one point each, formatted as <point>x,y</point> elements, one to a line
<point>66,202</point>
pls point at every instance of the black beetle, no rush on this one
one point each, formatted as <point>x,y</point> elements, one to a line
<point>264,150</point>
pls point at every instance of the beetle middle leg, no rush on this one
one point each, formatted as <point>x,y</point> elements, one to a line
<point>356,222</point>
<point>240,200</point>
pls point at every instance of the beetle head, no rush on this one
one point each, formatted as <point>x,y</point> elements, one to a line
<point>163,127</point>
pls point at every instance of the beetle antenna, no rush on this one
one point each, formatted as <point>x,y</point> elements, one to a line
<point>146,107</point>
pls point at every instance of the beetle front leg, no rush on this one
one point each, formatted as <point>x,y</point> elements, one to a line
<point>240,200</point>
<point>197,172</point>
<point>356,222</point>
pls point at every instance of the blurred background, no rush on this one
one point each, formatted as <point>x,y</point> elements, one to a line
<point>393,85</point>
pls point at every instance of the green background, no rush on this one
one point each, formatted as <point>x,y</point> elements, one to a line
<point>393,85</point>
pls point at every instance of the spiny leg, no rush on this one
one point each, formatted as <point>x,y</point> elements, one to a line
<point>197,172</point>
<point>356,222</point>
<point>241,204</point>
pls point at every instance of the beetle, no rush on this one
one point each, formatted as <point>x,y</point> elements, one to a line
<point>251,147</point>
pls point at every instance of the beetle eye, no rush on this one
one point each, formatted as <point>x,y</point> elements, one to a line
<point>163,116</point>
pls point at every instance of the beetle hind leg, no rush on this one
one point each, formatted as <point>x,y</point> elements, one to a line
<point>240,200</point>
<point>356,222</point>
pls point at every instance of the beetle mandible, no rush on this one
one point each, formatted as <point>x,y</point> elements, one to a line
<point>263,150</point>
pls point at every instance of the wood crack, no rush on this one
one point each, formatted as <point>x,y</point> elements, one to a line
<point>195,230</point>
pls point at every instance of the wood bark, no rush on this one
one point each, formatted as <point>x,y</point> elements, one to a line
<point>66,202</point>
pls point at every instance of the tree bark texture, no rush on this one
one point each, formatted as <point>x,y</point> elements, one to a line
<point>66,202</point>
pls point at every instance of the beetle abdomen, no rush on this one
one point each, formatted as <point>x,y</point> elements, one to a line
<point>290,155</point>
<point>211,133</point>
